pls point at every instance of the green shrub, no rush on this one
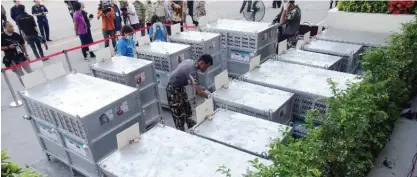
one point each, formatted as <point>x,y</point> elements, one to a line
<point>359,120</point>
<point>364,6</point>
<point>11,169</point>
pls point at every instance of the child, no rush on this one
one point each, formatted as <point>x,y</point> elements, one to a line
<point>126,44</point>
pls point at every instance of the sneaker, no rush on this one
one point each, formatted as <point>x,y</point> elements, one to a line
<point>49,40</point>
<point>92,55</point>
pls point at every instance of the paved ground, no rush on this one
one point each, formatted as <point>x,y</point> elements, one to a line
<point>17,134</point>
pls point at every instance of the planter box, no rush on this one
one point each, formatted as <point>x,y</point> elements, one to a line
<point>372,22</point>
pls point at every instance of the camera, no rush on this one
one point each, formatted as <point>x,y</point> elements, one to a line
<point>104,7</point>
<point>124,10</point>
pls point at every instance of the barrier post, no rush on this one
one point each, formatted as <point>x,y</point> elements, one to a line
<point>15,103</point>
<point>68,61</point>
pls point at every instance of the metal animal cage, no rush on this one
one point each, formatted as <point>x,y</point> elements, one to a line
<point>369,39</point>
<point>166,152</point>
<point>77,117</point>
<point>311,59</point>
<point>166,56</point>
<point>242,132</point>
<point>136,73</point>
<point>255,100</point>
<point>349,52</point>
<point>309,84</point>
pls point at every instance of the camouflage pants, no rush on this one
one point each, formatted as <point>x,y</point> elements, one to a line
<point>180,107</point>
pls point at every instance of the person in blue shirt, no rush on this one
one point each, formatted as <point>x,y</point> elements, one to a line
<point>158,32</point>
<point>126,44</point>
<point>40,12</point>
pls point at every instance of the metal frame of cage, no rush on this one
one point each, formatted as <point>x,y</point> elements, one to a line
<point>65,137</point>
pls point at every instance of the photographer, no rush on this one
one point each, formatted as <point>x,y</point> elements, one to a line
<point>158,32</point>
<point>13,46</point>
<point>128,10</point>
<point>106,12</point>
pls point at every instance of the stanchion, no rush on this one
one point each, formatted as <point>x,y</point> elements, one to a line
<point>15,103</point>
<point>67,59</point>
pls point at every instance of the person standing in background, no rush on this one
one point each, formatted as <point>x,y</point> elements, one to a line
<point>40,12</point>
<point>276,4</point>
<point>155,8</point>
<point>331,3</point>
<point>168,17</point>
<point>179,9</point>
<point>118,16</point>
<point>196,9</point>
<point>70,5</point>
<point>3,17</point>
<point>107,24</point>
<point>13,46</point>
<point>140,10</point>
<point>27,24</point>
<point>126,44</point>
<point>81,29</point>
<point>14,11</point>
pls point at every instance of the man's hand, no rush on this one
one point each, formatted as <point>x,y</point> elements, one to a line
<point>201,92</point>
<point>12,46</point>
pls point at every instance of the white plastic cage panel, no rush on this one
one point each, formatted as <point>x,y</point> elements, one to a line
<point>255,100</point>
<point>243,34</point>
<point>79,104</point>
<point>317,60</point>
<point>243,132</point>
<point>160,152</point>
<point>206,79</point>
<point>200,42</point>
<point>349,52</point>
<point>370,39</point>
<point>166,56</point>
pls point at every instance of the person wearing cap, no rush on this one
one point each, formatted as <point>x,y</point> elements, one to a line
<point>289,19</point>
<point>40,11</point>
<point>183,75</point>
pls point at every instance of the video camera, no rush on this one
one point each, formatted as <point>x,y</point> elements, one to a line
<point>124,10</point>
<point>104,7</point>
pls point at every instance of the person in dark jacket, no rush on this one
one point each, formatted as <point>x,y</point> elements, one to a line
<point>118,16</point>
<point>14,11</point>
<point>3,17</point>
<point>40,12</point>
<point>27,24</point>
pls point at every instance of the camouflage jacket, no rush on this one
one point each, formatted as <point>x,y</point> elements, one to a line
<point>140,10</point>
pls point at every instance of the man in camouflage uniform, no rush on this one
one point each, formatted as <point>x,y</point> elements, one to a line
<point>185,73</point>
<point>289,19</point>
<point>141,12</point>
